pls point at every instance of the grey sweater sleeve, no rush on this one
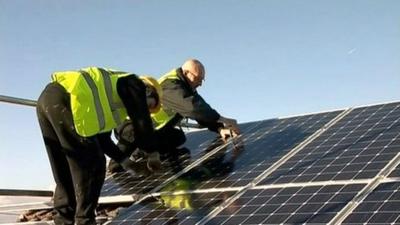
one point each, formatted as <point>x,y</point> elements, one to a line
<point>187,103</point>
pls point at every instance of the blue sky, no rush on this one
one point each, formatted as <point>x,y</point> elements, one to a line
<point>264,59</point>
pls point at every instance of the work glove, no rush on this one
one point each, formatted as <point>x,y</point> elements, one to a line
<point>114,167</point>
<point>136,168</point>
<point>153,161</point>
<point>227,133</point>
<point>231,124</point>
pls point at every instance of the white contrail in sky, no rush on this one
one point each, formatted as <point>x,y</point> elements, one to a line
<point>351,51</point>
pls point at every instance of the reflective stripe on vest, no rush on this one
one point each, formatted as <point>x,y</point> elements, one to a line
<point>162,117</point>
<point>95,104</point>
<point>109,92</point>
<point>95,92</point>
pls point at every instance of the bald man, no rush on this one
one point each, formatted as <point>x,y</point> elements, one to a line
<point>181,100</point>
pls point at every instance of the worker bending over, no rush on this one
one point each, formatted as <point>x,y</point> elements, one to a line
<point>77,112</point>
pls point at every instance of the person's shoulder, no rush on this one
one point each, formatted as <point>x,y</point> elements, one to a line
<point>177,82</point>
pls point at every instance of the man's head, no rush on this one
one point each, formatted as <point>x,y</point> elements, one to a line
<point>194,72</point>
<point>153,93</point>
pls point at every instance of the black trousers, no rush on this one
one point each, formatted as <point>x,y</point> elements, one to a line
<point>78,163</point>
<point>170,138</point>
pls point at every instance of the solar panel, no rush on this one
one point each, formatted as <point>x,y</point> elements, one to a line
<point>291,205</point>
<point>265,142</point>
<point>382,206</point>
<point>303,169</point>
<point>356,147</point>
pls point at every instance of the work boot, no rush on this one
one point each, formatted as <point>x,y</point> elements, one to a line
<point>153,161</point>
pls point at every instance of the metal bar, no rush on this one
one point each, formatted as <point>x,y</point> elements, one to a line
<point>16,192</point>
<point>190,125</point>
<point>19,101</point>
<point>29,102</point>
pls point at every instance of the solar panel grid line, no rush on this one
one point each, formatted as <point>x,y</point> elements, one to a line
<point>312,184</point>
<point>392,179</point>
<point>348,209</point>
<point>274,166</point>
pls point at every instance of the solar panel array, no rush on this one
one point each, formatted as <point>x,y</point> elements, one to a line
<point>314,168</point>
<point>356,147</point>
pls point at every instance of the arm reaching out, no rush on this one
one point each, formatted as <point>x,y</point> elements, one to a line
<point>231,124</point>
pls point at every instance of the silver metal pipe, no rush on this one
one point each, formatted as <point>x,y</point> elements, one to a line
<point>19,101</point>
<point>29,102</point>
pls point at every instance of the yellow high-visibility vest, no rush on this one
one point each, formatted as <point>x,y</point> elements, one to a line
<point>162,117</point>
<point>95,104</point>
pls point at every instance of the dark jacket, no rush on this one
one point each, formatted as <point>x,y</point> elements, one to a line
<point>179,97</point>
<point>132,92</point>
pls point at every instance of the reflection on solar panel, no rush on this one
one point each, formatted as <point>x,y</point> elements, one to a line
<point>125,184</point>
<point>173,209</point>
<point>302,169</point>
